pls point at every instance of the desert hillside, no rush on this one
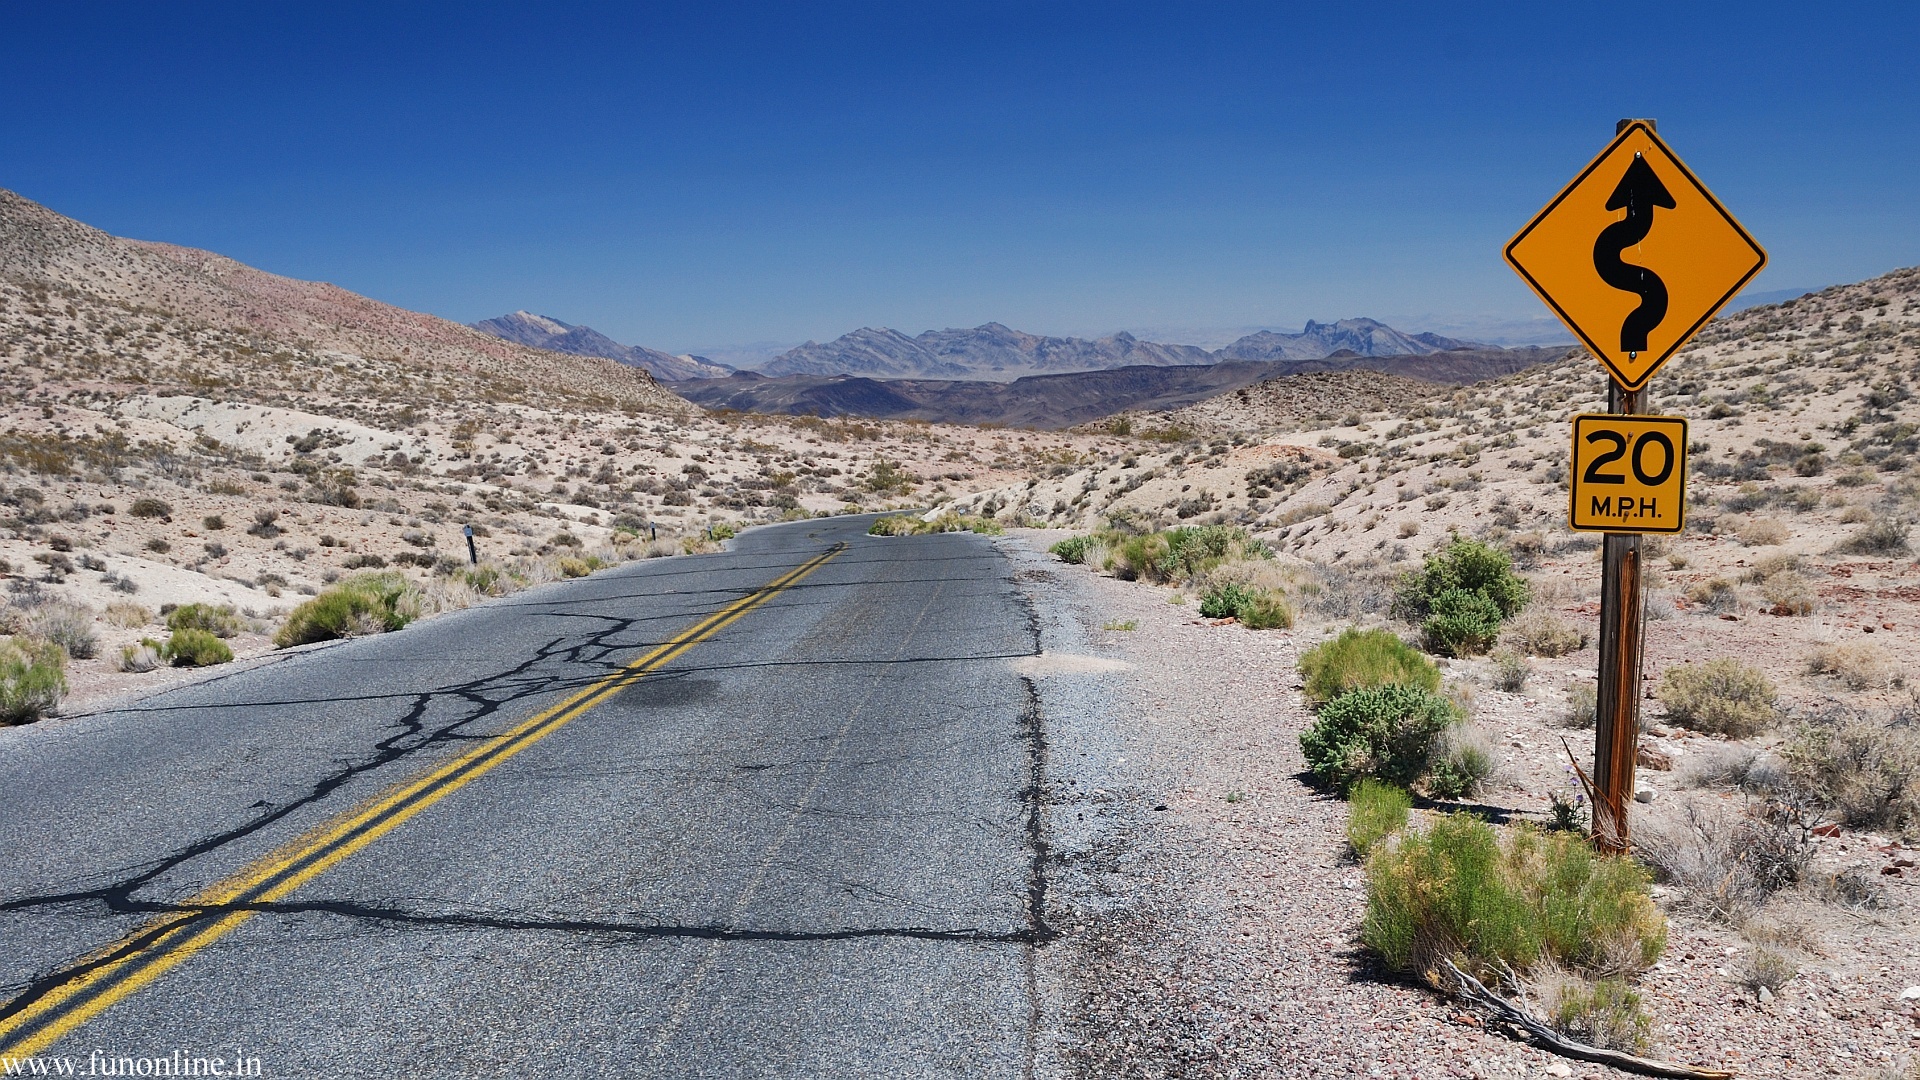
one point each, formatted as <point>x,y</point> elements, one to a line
<point>185,429</point>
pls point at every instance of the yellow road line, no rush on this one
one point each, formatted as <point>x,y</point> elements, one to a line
<point>122,969</point>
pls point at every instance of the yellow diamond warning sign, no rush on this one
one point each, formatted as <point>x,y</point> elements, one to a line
<point>1635,255</point>
<point>1629,473</point>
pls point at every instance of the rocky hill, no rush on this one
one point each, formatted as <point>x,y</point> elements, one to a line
<point>1074,398</point>
<point>543,332</point>
<point>991,351</point>
<point>1361,337</point>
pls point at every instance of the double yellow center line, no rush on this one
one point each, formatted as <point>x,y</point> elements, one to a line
<point>122,969</point>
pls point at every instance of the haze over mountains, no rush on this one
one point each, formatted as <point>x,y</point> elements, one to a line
<point>991,352</point>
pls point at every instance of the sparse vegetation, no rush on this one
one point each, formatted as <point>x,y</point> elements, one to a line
<point>33,679</point>
<point>949,521</point>
<point>1722,696</point>
<point>1384,732</point>
<point>1599,1012</point>
<point>1859,665</point>
<point>1540,633</point>
<point>1364,658</point>
<point>1458,890</point>
<point>1461,595</point>
<point>1884,535</point>
<point>366,604</point>
<point>1862,768</point>
<point>1375,811</point>
<point>191,647</point>
<point>219,620</point>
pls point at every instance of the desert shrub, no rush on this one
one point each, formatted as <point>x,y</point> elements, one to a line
<point>1267,610</point>
<point>909,525</point>
<point>1787,593</point>
<point>1338,593</point>
<point>1467,565</point>
<point>1762,532</point>
<point>1383,732</point>
<point>1765,969</point>
<point>572,567</point>
<point>144,656</point>
<point>1375,811</point>
<point>127,615</point>
<point>1540,633</point>
<point>67,625</point>
<point>723,530</point>
<point>149,507</point>
<point>1733,765</point>
<point>1225,600</point>
<point>219,620</point>
<point>1461,622</point>
<point>189,647</point>
<point>1457,890</point>
<point>1359,658</point>
<point>364,604</point>
<point>1583,705</point>
<point>1510,670</point>
<point>1599,1012</point>
<point>1863,769</point>
<point>1073,549</point>
<point>213,522</point>
<point>1860,665</point>
<point>1176,556</point>
<point>1884,535</point>
<point>1717,595</point>
<point>1722,865</point>
<point>33,679</point>
<point>1461,762</point>
<point>366,561</point>
<point>1722,696</point>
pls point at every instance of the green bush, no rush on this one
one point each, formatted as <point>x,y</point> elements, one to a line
<point>1722,696</point>
<point>365,604</point>
<point>1180,555</point>
<point>1384,732</point>
<point>1223,601</point>
<point>1457,891</point>
<point>220,621</point>
<point>1461,622</point>
<point>1073,549</point>
<point>1360,658</point>
<point>1375,811</point>
<point>189,647</point>
<point>33,679</point>
<point>1267,611</point>
<point>1461,595</point>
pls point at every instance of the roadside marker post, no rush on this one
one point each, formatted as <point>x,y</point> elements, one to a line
<point>473,553</point>
<point>1634,256</point>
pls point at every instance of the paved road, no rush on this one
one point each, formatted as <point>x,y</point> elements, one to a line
<point>800,842</point>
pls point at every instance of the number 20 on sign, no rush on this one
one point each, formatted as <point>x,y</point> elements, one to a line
<point>1629,473</point>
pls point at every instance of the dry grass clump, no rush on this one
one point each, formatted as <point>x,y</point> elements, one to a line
<point>1859,665</point>
<point>1599,1012</point>
<point>1722,696</point>
<point>1862,768</point>
<point>1718,595</point>
<point>1734,765</point>
<point>1787,593</point>
<point>127,615</point>
<point>68,625</point>
<point>1725,866</point>
<point>1765,969</point>
<point>1762,532</point>
<point>1541,633</point>
<point>1882,535</point>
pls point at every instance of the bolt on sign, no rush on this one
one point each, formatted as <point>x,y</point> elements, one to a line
<point>1629,473</point>
<point>1635,255</point>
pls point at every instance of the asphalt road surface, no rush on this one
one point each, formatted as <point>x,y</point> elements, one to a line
<point>770,812</point>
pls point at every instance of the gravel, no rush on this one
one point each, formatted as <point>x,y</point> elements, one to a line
<point>1209,913</point>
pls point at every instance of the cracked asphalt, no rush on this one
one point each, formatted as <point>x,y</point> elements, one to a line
<point>808,846</point>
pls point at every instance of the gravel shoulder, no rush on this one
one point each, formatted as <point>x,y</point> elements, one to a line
<point>1209,912</point>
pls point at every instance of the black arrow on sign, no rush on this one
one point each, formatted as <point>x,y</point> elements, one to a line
<point>1639,191</point>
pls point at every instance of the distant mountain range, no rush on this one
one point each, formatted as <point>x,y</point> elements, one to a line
<point>541,332</point>
<point>991,352</point>
<point>1067,399</point>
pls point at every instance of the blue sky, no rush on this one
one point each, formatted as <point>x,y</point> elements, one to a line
<point>700,175</point>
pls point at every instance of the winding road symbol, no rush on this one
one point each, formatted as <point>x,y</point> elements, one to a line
<point>1635,255</point>
<point>1640,190</point>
